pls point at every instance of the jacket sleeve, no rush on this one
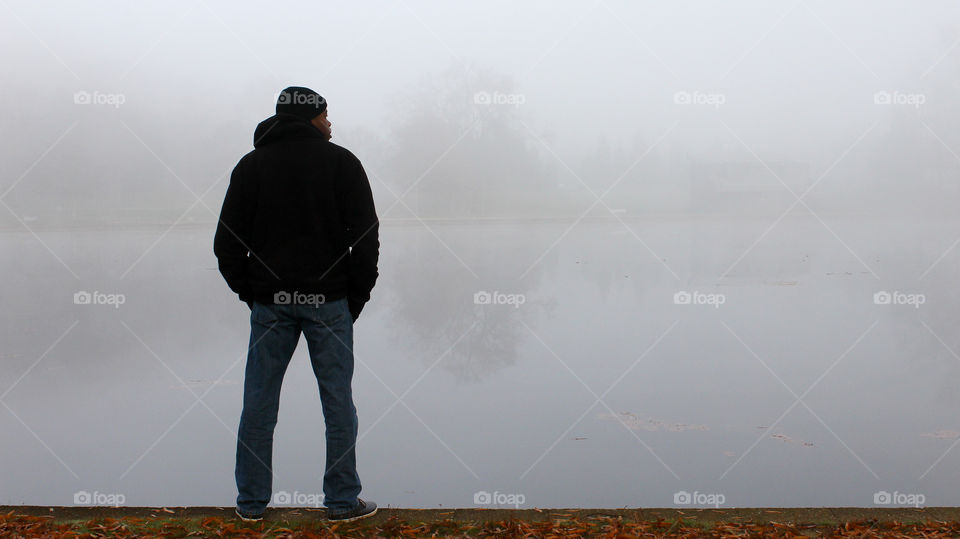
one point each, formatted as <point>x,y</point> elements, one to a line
<point>231,241</point>
<point>362,229</point>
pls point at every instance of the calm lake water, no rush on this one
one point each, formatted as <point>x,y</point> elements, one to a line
<point>615,365</point>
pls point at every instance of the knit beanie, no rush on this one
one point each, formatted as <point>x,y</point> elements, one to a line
<point>300,101</point>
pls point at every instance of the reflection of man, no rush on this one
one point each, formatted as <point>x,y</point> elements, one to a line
<point>298,241</point>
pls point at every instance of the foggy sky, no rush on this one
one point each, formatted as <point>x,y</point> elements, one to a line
<point>596,84</point>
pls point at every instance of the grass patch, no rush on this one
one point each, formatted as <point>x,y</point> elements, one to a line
<point>16,525</point>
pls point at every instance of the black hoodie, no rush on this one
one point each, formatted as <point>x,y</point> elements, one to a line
<point>298,217</point>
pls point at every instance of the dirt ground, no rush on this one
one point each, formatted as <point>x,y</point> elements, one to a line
<point>817,515</point>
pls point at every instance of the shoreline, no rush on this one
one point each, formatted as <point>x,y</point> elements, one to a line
<point>795,515</point>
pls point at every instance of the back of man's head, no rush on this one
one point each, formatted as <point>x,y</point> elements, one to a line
<point>300,101</point>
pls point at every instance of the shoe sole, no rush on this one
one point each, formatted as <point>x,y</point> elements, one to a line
<point>247,519</point>
<point>351,519</point>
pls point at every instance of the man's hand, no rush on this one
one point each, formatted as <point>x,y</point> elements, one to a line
<point>355,308</point>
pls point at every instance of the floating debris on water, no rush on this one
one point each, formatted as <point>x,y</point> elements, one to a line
<point>942,434</point>
<point>651,424</point>
<point>785,438</point>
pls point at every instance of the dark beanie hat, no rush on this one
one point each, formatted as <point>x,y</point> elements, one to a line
<point>300,101</point>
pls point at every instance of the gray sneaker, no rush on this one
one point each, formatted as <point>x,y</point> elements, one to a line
<point>362,510</point>
<point>248,517</point>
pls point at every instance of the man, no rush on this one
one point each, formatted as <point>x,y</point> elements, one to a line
<point>298,241</point>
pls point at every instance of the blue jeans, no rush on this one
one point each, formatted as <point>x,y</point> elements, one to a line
<point>274,333</point>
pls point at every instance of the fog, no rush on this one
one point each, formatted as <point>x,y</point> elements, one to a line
<point>628,250</point>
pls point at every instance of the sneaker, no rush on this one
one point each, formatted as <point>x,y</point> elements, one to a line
<point>362,510</point>
<point>248,517</point>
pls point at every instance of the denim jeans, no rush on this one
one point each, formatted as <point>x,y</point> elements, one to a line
<point>274,333</point>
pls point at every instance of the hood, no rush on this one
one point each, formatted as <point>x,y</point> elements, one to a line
<point>283,126</point>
